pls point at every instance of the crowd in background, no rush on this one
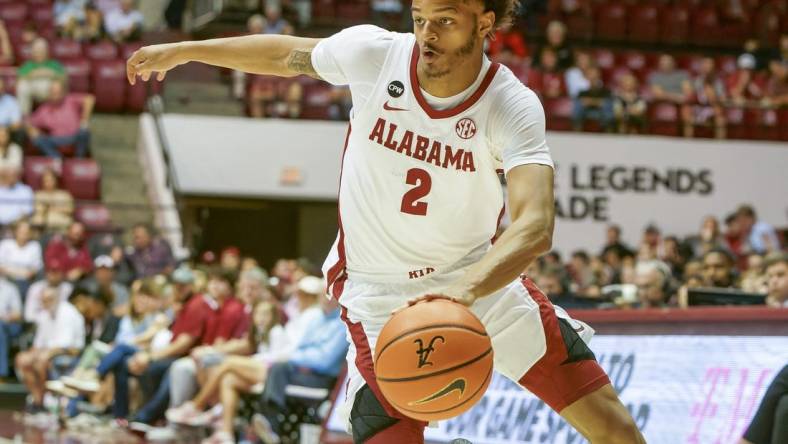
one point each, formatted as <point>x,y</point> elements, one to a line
<point>82,317</point>
<point>744,254</point>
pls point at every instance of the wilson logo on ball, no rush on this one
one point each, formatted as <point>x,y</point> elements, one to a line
<point>465,128</point>
<point>424,352</point>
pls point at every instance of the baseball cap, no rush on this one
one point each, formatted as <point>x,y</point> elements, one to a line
<point>183,275</point>
<point>104,261</point>
<point>746,61</point>
<point>311,285</point>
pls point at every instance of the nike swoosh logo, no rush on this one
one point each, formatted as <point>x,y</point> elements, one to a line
<point>457,384</point>
<point>582,327</point>
<point>392,108</point>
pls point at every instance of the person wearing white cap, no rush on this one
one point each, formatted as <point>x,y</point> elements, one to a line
<point>103,278</point>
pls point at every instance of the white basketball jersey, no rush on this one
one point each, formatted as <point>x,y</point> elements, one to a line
<point>419,188</point>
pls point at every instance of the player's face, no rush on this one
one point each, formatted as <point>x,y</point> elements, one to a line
<point>448,33</point>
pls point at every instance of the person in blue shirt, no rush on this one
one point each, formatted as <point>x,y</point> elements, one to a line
<point>316,362</point>
<point>761,237</point>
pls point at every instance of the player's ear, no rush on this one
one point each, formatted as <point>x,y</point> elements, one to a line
<point>486,23</point>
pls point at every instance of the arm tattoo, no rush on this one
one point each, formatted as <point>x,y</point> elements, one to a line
<point>300,61</point>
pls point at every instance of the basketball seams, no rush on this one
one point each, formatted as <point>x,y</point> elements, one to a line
<point>436,373</point>
<point>428,327</point>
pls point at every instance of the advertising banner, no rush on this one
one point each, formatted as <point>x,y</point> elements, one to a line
<point>679,389</point>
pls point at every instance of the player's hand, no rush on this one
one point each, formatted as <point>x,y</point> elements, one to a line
<point>152,59</point>
<point>466,300</point>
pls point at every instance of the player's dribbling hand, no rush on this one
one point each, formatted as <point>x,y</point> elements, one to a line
<point>466,301</point>
<point>152,59</point>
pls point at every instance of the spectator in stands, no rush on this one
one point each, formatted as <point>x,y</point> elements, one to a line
<point>37,75</point>
<point>383,10</point>
<point>613,243</point>
<point>230,323</point>
<point>237,374</point>
<point>60,331</point>
<point>77,19</point>
<point>580,272</point>
<point>149,255</point>
<point>710,237</point>
<point>20,256</point>
<point>54,207</point>
<point>709,93</point>
<point>100,324</point>
<point>761,237</point>
<point>10,321</point>
<point>124,24</point>
<point>71,251</point>
<point>315,362</point>
<point>303,306</point>
<point>103,281</point>
<point>777,279</point>
<point>594,103</point>
<point>274,22</point>
<point>576,77</point>
<point>16,198</point>
<point>6,50</point>
<point>744,86</point>
<point>508,46</point>
<point>10,152</point>
<point>718,269</point>
<point>62,121</point>
<point>552,80</point>
<point>341,103</point>
<point>668,83</point>
<point>557,42</point>
<point>629,107</point>
<point>653,279</point>
<point>54,277</point>
<point>11,114</point>
<point>151,366</point>
<point>776,94</point>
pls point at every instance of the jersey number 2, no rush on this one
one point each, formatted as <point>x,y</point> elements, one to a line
<point>423,182</point>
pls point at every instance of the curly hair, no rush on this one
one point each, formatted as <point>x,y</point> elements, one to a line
<point>505,10</point>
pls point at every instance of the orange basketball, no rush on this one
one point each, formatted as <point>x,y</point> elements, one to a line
<point>433,360</point>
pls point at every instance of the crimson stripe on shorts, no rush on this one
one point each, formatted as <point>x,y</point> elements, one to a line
<point>553,338</point>
<point>364,362</point>
<point>338,268</point>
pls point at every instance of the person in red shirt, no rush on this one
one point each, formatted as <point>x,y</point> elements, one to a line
<point>230,320</point>
<point>508,46</point>
<point>71,251</point>
<point>62,121</point>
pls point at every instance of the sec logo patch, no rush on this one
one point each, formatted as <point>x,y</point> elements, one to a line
<point>465,128</point>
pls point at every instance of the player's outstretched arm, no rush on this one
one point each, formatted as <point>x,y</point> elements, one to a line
<point>278,55</point>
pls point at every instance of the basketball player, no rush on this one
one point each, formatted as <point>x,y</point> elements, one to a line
<point>433,123</point>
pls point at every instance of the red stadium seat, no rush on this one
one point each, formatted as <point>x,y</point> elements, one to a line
<point>353,10</point>
<point>726,64</point>
<point>78,75</point>
<point>95,216</point>
<point>65,49</point>
<point>42,14</point>
<point>705,27</point>
<point>82,177</point>
<point>580,26</point>
<point>34,167</point>
<point>664,119</point>
<point>323,9</point>
<point>13,12</point>
<point>738,125</point>
<point>8,74</point>
<point>783,116</point>
<point>767,124</point>
<point>109,85</point>
<point>611,21</point>
<point>559,114</point>
<point>102,51</point>
<point>643,23</point>
<point>534,80</point>
<point>674,25</point>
